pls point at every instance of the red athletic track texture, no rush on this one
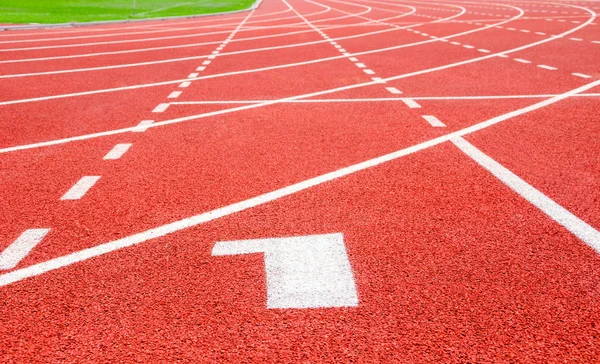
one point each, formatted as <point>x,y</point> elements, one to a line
<point>450,263</point>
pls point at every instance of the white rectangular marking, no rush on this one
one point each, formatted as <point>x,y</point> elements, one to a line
<point>206,63</point>
<point>347,54</point>
<point>369,72</point>
<point>353,59</point>
<point>338,46</point>
<point>20,248</point>
<point>393,90</point>
<point>596,41</point>
<point>522,60</point>
<point>581,75</point>
<point>142,126</point>
<point>161,108</point>
<point>211,57</point>
<point>185,84</point>
<point>455,43</point>
<point>468,46</point>
<point>201,68</point>
<point>80,188</point>
<point>174,95</point>
<point>117,152</point>
<point>193,75</point>
<point>302,272</point>
<point>378,79</point>
<point>540,33</point>
<point>484,50</point>
<point>433,121</point>
<point>215,52</point>
<point>576,39</point>
<point>547,67</point>
<point>562,216</point>
<point>342,50</point>
<point>502,56</point>
<point>360,65</point>
<point>525,31</point>
<point>411,103</point>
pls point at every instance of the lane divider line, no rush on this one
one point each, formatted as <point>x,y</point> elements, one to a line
<point>161,107</point>
<point>174,95</point>
<point>412,104</point>
<point>142,126</point>
<point>21,247</point>
<point>433,121</point>
<point>80,188</point>
<point>393,90</point>
<point>117,151</point>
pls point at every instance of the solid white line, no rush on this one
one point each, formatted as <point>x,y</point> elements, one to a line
<point>142,126</point>
<point>572,223</point>
<point>80,188</point>
<point>522,60</point>
<point>117,152</point>
<point>369,72</point>
<point>393,90</point>
<point>161,108</point>
<point>185,84</point>
<point>433,121</point>
<point>547,67</point>
<point>378,79</point>
<point>174,95</point>
<point>20,248</point>
<point>411,103</point>
<point>82,255</point>
<point>581,75</point>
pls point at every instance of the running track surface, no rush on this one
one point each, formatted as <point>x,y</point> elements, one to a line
<point>452,146</point>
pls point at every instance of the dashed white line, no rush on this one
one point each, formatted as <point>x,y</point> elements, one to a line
<point>393,90</point>
<point>201,68</point>
<point>193,75</point>
<point>174,95</point>
<point>576,39</point>
<point>433,121</point>
<point>117,151</point>
<point>353,59</point>
<point>160,108</point>
<point>206,63</point>
<point>468,46</point>
<point>540,33</point>
<point>522,60</point>
<point>360,65</point>
<point>411,103</point>
<point>143,126</point>
<point>80,188</point>
<point>369,71</point>
<point>20,248</point>
<point>185,84</point>
<point>484,50</point>
<point>547,67</point>
<point>378,79</point>
<point>581,75</point>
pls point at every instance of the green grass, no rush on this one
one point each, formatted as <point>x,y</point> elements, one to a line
<point>64,11</point>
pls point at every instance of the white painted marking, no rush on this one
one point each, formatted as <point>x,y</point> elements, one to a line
<point>193,75</point>
<point>522,60</point>
<point>556,212</point>
<point>502,56</point>
<point>411,103</point>
<point>20,248</point>
<point>433,121</point>
<point>161,108</point>
<point>80,188</point>
<point>547,67</point>
<point>468,46</point>
<point>302,272</point>
<point>117,151</point>
<point>393,90</point>
<point>201,68</point>
<point>342,50</point>
<point>369,72</point>
<point>378,79</point>
<point>206,63</point>
<point>174,95</point>
<point>576,39</point>
<point>525,31</point>
<point>353,59</point>
<point>142,126</point>
<point>347,54</point>
<point>455,43</point>
<point>483,50</point>
<point>596,41</point>
<point>360,65</point>
<point>211,57</point>
<point>540,33</point>
<point>581,75</point>
<point>333,42</point>
<point>337,46</point>
<point>185,84</point>
<point>215,52</point>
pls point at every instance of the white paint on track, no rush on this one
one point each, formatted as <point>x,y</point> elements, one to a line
<point>20,248</point>
<point>135,239</point>
<point>80,188</point>
<point>117,151</point>
<point>556,212</point>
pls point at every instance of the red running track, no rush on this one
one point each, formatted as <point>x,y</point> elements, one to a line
<point>451,147</point>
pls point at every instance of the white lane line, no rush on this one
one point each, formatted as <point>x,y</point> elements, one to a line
<point>117,151</point>
<point>468,46</point>
<point>540,33</point>
<point>193,75</point>
<point>201,68</point>
<point>378,79</point>
<point>138,238</point>
<point>342,50</point>
<point>20,248</point>
<point>502,55</point>
<point>215,52</point>
<point>393,90</point>
<point>455,43</point>
<point>206,63</point>
<point>411,103</point>
<point>556,212</point>
<point>161,108</point>
<point>211,57</point>
<point>525,31</point>
<point>522,60</point>
<point>80,188</point>
<point>174,95</point>
<point>433,121</point>
<point>369,72</point>
<point>353,59</point>
<point>576,39</point>
<point>185,84</point>
<point>581,75</point>
<point>596,41</point>
<point>360,65</point>
<point>484,50</point>
<point>547,67</point>
<point>142,126</point>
